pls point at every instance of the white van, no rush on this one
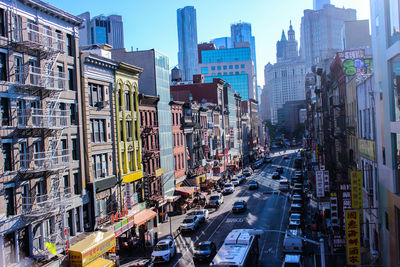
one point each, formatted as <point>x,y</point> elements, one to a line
<point>292,245</point>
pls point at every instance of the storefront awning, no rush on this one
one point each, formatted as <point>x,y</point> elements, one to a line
<point>144,216</point>
<point>100,262</point>
<point>172,198</point>
<point>91,248</point>
<point>186,190</point>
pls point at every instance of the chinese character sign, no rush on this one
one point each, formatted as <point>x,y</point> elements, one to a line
<point>320,183</point>
<point>353,237</point>
<point>326,181</point>
<point>356,190</point>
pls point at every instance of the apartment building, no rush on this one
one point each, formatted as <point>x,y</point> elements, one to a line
<point>178,141</point>
<point>43,201</point>
<point>98,102</point>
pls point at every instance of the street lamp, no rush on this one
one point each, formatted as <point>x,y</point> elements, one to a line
<point>320,243</point>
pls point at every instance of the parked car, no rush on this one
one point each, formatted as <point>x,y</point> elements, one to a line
<point>228,188</point>
<point>253,185</point>
<point>201,213</point>
<point>164,250</point>
<point>267,159</point>
<point>279,169</point>
<point>190,223</point>
<point>296,208</point>
<point>216,200</point>
<point>286,157</point>
<point>204,251</point>
<point>292,260</point>
<point>141,262</point>
<point>295,219</point>
<point>276,175</point>
<point>241,178</point>
<point>284,185</point>
<point>296,198</point>
<point>294,230</point>
<point>235,181</point>
<point>239,206</point>
<point>247,172</point>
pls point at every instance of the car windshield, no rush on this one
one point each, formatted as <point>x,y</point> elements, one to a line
<point>203,247</point>
<point>295,216</point>
<point>238,203</point>
<point>284,183</point>
<point>234,179</point>
<point>161,247</point>
<point>214,197</point>
<point>253,183</point>
<point>187,220</point>
<point>228,185</point>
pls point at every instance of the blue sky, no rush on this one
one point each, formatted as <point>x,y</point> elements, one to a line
<point>152,23</point>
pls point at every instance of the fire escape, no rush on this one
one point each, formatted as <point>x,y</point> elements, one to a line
<point>43,118</point>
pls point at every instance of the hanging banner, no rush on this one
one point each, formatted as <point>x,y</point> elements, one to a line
<point>326,181</point>
<point>320,183</point>
<point>334,210</point>
<point>356,190</point>
<point>353,237</point>
<point>344,199</point>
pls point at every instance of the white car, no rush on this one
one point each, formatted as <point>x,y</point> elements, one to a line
<point>216,200</point>
<point>190,223</point>
<point>235,181</point>
<point>164,250</point>
<point>201,213</point>
<point>228,188</point>
<point>284,185</point>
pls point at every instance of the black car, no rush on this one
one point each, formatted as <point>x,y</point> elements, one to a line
<point>239,206</point>
<point>279,169</point>
<point>204,251</point>
<point>253,185</point>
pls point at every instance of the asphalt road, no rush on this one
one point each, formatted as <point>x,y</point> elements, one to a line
<point>267,208</point>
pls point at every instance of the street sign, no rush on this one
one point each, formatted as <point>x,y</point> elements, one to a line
<point>320,183</point>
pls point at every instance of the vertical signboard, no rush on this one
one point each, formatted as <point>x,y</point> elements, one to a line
<point>353,237</point>
<point>356,190</point>
<point>334,210</point>
<point>326,181</point>
<point>320,183</point>
<point>344,199</point>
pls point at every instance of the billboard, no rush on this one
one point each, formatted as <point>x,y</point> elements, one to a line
<point>319,180</point>
<point>353,237</point>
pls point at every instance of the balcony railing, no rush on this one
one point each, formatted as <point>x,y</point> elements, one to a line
<point>31,76</point>
<point>43,118</point>
<point>32,36</point>
<point>47,203</point>
<point>57,238</point>
<point>45,161</point>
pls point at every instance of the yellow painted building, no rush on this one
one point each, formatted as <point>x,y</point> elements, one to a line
<point>127,115</point>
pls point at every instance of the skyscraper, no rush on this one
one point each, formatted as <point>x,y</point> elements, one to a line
<point>187,41</point>
<point>321,32</point>
<point>101,30</point>
<point>241,33</point>
<point>284,81</point>
<point>222,42</point>
<point>319,4</point>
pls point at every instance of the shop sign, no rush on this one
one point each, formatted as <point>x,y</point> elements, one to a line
<point>356,190</point>
<point>338,243</point>
<point>124,225</point>
<point>129,199</point>
<point>205,138</point>
<point>367,149</point>
<point>326,181</point>
<point>353,237</point>
<point>320,183</point>
<point>334,210</point>
<point>344,198</point>
<point>129,178</point>
<point>117,228</point>
<point>159,171</point>
<point>324,205</point>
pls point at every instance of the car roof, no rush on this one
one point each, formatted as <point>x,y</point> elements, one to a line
<point>283,181</point>
<point>190,217</point>
<point>292,258</point>
<point>239,201</point>
<point>205,243</point>
<point>164,241</point>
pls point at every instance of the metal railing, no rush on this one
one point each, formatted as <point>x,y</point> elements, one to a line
<point>48,160</point>
<point>58,239</point>
<point>46,203</point>
<point>37,36</point>
<point>43,118</point>
<point>40,77</point>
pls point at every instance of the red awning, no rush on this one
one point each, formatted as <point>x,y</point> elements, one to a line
<point>185,190</point>
<point>144,216</point>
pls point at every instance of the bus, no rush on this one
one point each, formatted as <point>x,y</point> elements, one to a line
<point>240,249</point>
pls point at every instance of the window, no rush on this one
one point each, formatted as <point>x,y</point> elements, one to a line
<point>130,160</point>
<point>174,137</point>
<point>5,112</point>
<point>3,67</point>
<point>9,196</point>
<point>74,149</point>
<point>128,101</point>
<point>225,67</point>
<point>71,79</point>
<point>218,67</point>
<point>212,67</point>
<point>7,157</point>
<point>2,23</point>
<point>242,66</point>
<point>129,130</point>
<point>72,108</point>
<point>175,163</point>
<point>394,29</point>
<point>18,69</point>
<point>236,66</point>
<point>230,67</point>
<point>99,165</point>
<point>96,94</point>
<point>204,70</point>
<point>98,129</point>
<point>66,181</point>
<point>69,45</point>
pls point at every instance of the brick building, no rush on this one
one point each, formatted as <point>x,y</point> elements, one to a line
<point>178,142</point>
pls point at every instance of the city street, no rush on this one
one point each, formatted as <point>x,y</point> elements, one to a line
<point>267,208</point>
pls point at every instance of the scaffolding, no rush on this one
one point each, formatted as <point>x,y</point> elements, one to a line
<point>41,79</point>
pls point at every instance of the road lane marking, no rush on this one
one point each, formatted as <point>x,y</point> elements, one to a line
<point>234,220</point>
